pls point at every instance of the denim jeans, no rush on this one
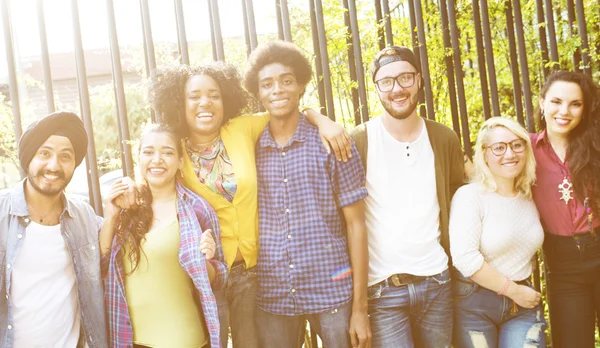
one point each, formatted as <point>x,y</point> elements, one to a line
<point>277,331</point>
<point>237,303</point>
<point>573,288</point>
<point>483,318</point>
<point>414,315</point>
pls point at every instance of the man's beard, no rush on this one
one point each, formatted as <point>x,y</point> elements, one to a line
<point>406,112</point>
<point>48,191</point>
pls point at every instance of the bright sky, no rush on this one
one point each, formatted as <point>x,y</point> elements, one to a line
<point>93,19</point>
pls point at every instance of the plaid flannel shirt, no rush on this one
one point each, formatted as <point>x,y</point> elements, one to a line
<point>303,261</point>
<point>195,215</point>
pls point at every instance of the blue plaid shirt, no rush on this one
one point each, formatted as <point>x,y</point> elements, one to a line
<point>303,262</point>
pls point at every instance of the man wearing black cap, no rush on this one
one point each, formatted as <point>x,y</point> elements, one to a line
<point>52,293</point>
<point>413,168</point>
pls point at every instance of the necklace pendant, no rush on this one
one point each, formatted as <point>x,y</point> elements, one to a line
<point>565,190</point>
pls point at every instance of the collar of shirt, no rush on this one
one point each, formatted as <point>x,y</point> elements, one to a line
<point>266,139</point>
<point>540,138</point>
<point>18,204</point>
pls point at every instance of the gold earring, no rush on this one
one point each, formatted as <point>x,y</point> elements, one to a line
<point>181,173</point>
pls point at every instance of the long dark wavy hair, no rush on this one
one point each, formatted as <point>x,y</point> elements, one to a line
<point>583,152</point>
<point>167,92</point>
<point>133,224</point>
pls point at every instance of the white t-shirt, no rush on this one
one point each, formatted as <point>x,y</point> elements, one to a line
<point>43,291</point>
<point>504,231</point>
<point>402,210</point>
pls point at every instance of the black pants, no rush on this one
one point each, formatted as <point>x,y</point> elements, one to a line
<point>573,281</point>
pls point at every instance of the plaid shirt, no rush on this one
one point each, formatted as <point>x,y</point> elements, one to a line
<point>195,215</point>
<point>303,262</point>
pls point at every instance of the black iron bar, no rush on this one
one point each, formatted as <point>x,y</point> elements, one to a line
<point>551,34</point>
<point>485,95</point>
<point>318,61</point>
<point>213,39</point>
<point>542,34</point>
<point>285,20</point>
<point>449,68</point>
<point>324,59</point>
<point>48,84</point>
<point>424,60</point>
<point>387,20</point>
<point>181,35</point>
<point>415,46</point>
<point>216,24</point>
<point>514,63</point>
<point>352,66</point>
<point>489,55</point>
<point>460,86</point>
<point>585,48</point>
<point>119,88</point>
<point>251,24</point>
<point>522,50</point>
<point>573,33</point>
<point>360,75</point>
<point>148,41</point>
<point>246,30</point>
<point>278,16</point>
<point>86,113</point>
<point>379,21</point>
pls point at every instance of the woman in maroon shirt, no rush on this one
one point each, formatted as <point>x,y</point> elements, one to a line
<point>567,195</point>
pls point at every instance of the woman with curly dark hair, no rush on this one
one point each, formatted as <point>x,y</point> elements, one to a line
<point>204,104</point>
<point>567,195</point>
<point>160,268</point>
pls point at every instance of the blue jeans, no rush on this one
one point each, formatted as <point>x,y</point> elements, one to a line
<point>413,315</point>
<point>482,318</point>
<point>237,303</point>
<point>277,331</point>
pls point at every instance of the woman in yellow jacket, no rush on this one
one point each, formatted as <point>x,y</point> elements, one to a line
<point>204,103</point>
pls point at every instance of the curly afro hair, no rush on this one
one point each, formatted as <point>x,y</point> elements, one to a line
<point>167,92</point>
<point>282,52</point>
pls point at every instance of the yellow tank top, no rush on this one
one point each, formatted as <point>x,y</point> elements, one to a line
<point>160,295</point>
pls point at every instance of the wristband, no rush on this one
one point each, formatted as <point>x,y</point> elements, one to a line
<point>505,287</point>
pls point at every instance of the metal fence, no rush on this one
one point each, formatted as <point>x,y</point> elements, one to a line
<point>385,13</point>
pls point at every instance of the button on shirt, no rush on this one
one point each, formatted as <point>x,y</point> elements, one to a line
<point>303,262</point>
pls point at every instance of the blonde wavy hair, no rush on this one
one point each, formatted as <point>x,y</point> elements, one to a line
<point>483,174</point>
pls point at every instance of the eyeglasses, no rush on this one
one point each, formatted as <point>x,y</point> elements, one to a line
<point>404,80</point>
<point>499,148</point>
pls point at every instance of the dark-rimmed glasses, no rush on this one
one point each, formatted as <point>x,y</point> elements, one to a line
<point>499,148</point>
<point>404,80</point>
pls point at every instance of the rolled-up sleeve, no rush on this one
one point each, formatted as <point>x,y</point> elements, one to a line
<point>465,231</point>
<point>349,179</point>
<point>207,217</point>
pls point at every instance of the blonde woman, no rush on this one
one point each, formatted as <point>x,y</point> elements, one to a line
<point>495,233</point>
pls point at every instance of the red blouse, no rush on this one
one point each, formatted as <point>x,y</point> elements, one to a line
<point>558,217</point>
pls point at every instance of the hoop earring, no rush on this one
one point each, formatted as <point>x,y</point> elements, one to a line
<point>180,173</point>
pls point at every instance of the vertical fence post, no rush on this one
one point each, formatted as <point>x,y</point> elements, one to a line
<point>572,33</point>
<point>449,67</point>
<point>45,57</point>
<point>181,35</point>
<point>585,52</point>
<point>119,88</point>
<point>318,61</point>
<point>424,60</point>
<point>216,29</point>
<point>542,34</point>
<point>485,96</point>
<point>360,76</point>
<point>251,24</point>
<point>524,67</point>
<point>460,87</point>
<point>352,65</point>
<point>285,20</point>
<point>551,34</point>
<point>324,59</point>
<point>12,74</point>
<point>387,20</point>
<point>415,46</point>
<point>379,19</point>
<point>86,113</point>
<point>278,17</point>
<point>514,63</point>
<point>489,54</point>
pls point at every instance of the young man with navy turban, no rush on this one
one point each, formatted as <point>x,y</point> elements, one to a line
<point>51,291</point>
